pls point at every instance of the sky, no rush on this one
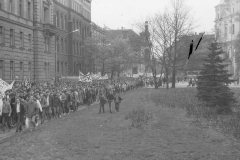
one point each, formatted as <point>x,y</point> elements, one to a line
<point>127,13</point>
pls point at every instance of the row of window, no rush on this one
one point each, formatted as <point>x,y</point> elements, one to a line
<point>62,43</point>
<point>77,7</point>
<point>14,36</point>
<point>21,4</point>
<point>61,21</point>
<point>13,66</point>
<point>62,67</point>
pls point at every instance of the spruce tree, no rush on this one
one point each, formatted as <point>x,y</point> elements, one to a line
<point>213,81</point>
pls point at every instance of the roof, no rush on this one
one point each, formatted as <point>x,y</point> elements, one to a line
<point>124,33</point>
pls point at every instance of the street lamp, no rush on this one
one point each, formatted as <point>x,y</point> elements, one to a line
<point>56,58</point>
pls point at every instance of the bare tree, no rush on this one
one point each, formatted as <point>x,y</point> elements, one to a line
<point>181,24</point>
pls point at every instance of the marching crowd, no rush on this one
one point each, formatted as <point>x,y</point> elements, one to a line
<point>29,105</point>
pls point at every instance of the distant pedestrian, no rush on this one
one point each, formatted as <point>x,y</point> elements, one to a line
<point>102,102</point>
<point>6,113</point>
<point>110,98</point>
<point>117,101</point>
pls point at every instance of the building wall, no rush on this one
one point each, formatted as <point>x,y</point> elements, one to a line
<point>35,53</point>
<point>227,30</point>
<point>15,53</point>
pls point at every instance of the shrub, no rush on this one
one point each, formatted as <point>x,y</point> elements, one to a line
<point>139,117</point>
<point>185,98</point>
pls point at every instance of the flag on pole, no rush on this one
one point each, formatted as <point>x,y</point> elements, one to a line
<point>199,41</point>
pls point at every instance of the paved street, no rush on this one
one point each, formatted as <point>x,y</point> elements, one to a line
<point>86,135</point>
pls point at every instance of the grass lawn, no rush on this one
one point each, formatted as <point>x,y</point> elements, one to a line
<point>185,98</point>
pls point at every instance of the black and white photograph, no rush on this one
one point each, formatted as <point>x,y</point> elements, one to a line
<point>119,80</point>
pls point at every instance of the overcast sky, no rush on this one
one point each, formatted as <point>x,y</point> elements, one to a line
<point>126,13</point>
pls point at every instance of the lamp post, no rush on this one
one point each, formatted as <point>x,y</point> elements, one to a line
<point>56,58</point>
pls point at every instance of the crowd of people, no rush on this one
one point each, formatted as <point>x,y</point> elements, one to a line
<point>28,105</point>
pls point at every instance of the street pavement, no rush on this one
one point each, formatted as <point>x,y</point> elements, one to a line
<point>87,135</point>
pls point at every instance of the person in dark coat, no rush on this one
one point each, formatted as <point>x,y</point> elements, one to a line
<point>19,107</point>
<point>110,98</point>
<point>102,100</point>
<point>117,101</point>
<point>51,107</point>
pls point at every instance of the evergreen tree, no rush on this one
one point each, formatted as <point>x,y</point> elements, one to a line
<point>213,81</point>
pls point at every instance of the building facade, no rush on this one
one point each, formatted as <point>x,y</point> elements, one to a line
<point>227,25</point>
<point>42,39</point>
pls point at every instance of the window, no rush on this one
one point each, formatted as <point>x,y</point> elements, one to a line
<point>46,69</point>
<point>2,69</point>
<point>21,71</point>
<point>1,4</point>
<point>57,19</point>
<point>10,6</point>
<point>29,69</point>
<point>62,67</point>
<point>46,15</point>
<point>66,67</point>
<point>20,8</point>
<point>2,38</point>
<point>57,66</point>
<point>21,39</point>
<point>66,45</point>
<point>57,44</point>
<point>73,24</point>
<point>12,43</point>
<point>233,29</point>
<point>62,21</point>
<point>47,44</point>
<point>30,40</point>
<point>66,23</point>
<point>62,43</point>
<point>29,10</point>
<point>11,70</point>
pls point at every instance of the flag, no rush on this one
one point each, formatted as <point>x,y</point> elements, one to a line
<point>190,49</point>
<point>199,42</point>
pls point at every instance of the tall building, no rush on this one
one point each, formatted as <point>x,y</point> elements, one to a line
<point>41,39</point>
<point>227,25</point>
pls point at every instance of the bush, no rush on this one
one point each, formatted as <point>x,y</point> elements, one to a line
<point>185,98</point>
<point>139,117</point>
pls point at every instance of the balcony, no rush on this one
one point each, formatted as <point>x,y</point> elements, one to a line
<point>49,29</point>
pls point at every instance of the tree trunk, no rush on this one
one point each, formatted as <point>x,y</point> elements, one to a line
<point>174,63</point>
<point>167,80</point>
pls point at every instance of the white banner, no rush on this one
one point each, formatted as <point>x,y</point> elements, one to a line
<point>4,86</point>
